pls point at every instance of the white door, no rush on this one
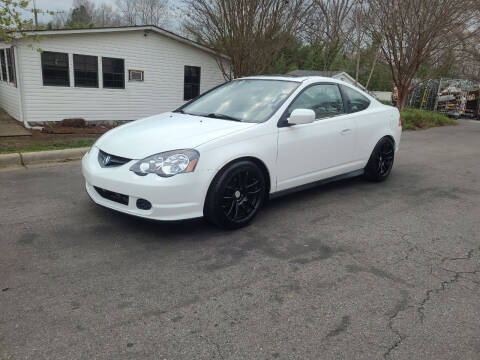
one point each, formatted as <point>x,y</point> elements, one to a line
<point>321,149</point>
<point>370,125</point>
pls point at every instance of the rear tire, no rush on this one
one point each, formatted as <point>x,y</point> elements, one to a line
<point>236,195</point>
<point>380,164</point>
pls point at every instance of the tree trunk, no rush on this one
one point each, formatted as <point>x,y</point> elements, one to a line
<point>402,95</point>
<point>373,68</point>
<point>357,70</point>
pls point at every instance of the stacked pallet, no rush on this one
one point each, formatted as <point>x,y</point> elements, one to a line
<point>451,101</point>
<point>472,108</point>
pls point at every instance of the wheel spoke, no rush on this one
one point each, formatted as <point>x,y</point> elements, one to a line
<point>385,159</point>
<point>232,206</point>
<point>253,192</point>
<point>241,195</point>
<point>237,207</point>
<point>253,184</point>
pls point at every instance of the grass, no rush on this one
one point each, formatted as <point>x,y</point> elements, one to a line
<point>55,145</point>
<point>413,119</point>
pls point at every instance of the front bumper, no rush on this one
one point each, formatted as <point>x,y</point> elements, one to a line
<point>175,198</point>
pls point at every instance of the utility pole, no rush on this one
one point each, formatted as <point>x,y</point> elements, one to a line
<point>35,13</point>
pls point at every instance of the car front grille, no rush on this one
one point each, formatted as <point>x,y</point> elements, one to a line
<point>112,196</point>
<point>109,160</point>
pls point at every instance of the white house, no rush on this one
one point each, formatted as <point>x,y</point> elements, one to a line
<point>107,74</point>
<point>339,75</point>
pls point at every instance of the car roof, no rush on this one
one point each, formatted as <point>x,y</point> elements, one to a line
<point>299,79</point>
<point>306,80</point>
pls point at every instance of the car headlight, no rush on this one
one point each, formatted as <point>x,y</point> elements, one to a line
<point>168,163</point>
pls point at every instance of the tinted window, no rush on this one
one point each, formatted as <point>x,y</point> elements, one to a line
<point>356,101</point>
<point>113,73</point>
<point>4,65</point>
<point>11,65</point>
<point>191,88</point>
<point>247,100</point>
<point>85,70</point>
<point>55,69</point>
<point>325,100</point>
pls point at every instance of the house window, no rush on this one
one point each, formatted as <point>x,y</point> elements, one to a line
<point>55,69</point>
<point>113,73</point>
<point>11,66</point>
<point>191,88</point>
<point>85,70</point>
<point>4,65</point>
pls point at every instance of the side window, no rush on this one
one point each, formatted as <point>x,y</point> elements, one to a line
<point>324,99</point>
<point>4,65</point>
<point>356,101</point>
<point>55,69</point>
<point>85,70</point>
<point>113,73</point>
<point>11,65</point>
<point>191,84</point>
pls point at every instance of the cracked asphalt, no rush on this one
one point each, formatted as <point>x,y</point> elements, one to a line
<point>350,270</point>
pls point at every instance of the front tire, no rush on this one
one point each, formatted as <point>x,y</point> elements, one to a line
<point>236,195</point>
<point>380,164</point>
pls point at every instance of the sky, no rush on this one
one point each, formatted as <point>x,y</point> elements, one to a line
<point>62,5</point>
<point>172,24</point>
<point>65,4</point>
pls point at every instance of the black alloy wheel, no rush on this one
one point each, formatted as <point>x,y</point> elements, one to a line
<point>236,195</point>
<point>385,160</point>
<point>381,161</point>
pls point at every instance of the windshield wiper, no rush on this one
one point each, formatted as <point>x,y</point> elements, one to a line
<point>222,116</point>
<point>185,113</point>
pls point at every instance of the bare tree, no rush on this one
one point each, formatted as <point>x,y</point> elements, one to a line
<point>129,11</point>
<point>104,16</point>
<point>330,27</point>
<point>144,12</point>
<point>359,38</point>
<point>411,31</point>
<point>251,32</point>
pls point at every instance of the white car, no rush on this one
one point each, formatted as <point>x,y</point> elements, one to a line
<point>224,153</point>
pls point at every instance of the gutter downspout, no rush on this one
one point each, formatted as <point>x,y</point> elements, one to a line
<point>21,97</point>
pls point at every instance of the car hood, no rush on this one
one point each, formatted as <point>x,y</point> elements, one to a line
<point>170,131</point>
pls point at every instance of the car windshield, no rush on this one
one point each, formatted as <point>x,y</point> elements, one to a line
<point>248,100</point>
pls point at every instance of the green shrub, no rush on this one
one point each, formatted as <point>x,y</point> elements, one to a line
<point>413,119</point>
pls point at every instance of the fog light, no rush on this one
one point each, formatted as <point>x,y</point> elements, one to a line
<point>143,204</point>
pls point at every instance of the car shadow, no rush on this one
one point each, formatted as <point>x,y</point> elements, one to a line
<point>133,224</point>
<point>346,185</point>
<point>201,229</point>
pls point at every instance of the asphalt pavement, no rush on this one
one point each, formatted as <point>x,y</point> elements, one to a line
<point>350,270</point>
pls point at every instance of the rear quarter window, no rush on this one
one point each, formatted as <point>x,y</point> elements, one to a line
<point>356,101</point>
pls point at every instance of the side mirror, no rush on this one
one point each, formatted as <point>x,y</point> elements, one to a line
<point>301,116</point>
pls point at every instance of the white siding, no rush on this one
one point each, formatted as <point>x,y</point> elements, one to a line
<point>161,58</point>
<point>383,95</point>
<point>9,95</point>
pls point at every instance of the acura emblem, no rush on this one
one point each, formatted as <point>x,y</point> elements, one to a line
<point>106,160</point>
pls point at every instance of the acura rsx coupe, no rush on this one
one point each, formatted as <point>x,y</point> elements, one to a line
<point>223,154</point>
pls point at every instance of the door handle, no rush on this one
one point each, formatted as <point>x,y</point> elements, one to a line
<point>345,131</point>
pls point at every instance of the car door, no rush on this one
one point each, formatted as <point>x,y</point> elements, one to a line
<point>370,125</point>
<point>318,150</point>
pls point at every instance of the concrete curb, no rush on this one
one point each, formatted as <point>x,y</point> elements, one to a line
<point>41,157</point>
<point>10,160</point>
